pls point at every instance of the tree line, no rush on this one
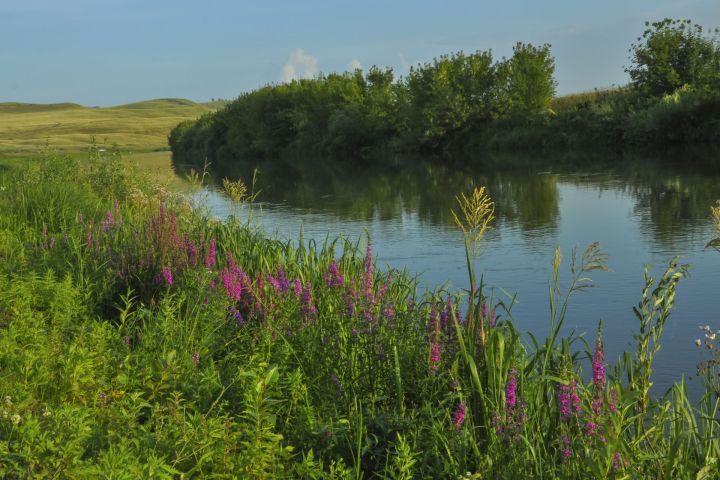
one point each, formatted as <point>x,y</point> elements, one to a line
<point>464,101</point>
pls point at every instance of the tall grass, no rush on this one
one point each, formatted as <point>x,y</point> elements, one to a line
<point>140,338</point>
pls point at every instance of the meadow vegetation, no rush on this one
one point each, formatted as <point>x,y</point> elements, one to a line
<point>69,127</point>
<point>465,102</point>
<point>140,338</point>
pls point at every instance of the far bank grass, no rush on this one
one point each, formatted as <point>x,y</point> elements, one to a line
<point>69,127</point>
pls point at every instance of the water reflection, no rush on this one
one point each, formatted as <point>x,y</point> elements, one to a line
<point>671,199</point>
<point>641,210</point>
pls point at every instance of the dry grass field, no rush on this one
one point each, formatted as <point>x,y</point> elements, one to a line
<point>70,127</point>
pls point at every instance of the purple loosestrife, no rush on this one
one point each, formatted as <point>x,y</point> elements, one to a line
<point>167,275</point>
<point>334,277</point>
<point>444,315</point>
<point>297,288</point>
<point>567,452</point>
<point>211,257</point>
<point>598,368</point>
<point>511,392</point>
<point>351,300</point>
<point>274,282</point>
<point>434,355</point>
<point>613,401</point>
<point>308,309</point>
<point>569,401</point>
<point>282,280</point>
<point>459,415</point>
<point>390,313</point>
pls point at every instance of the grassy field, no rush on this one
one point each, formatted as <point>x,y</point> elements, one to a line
<point>140,126</point>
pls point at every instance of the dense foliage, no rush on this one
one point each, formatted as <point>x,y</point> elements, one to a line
<point>462,102</point>
<point>440,103</point>
<point>141,339</point>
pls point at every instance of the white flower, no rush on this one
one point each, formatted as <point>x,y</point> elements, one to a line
<point>710,336</point>
<point>46,412</point>
<point>8,401</point>
<point>698,342</point>
<point>15,419</point>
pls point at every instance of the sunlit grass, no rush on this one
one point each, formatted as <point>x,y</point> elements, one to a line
<point>69,127</point>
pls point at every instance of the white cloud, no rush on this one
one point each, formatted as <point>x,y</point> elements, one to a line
<point>355,65</point>
<point>300,65</point>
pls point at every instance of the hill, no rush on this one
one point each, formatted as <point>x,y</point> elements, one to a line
<point>69,127</point>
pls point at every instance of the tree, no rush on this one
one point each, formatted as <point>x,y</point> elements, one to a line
<point>673,53</point>
<point>530,78</point>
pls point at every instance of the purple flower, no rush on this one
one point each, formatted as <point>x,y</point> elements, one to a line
<point>434,355</point>
<point>568,400</point>
<point>590,428</point>
<point>211,257</point>
<point>334,278</point>
<point>511,391</point>
<point>297,288</point>
<point>308,309</point>
<point>613,401</point>
<point>567,453</point>
<point>616,461</point>
<point>282,281</point>
<point>598,366</point>
<point>167,274</point>
<point>459,415</point>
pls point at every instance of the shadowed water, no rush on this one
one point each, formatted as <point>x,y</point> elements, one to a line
<point>641,210</point>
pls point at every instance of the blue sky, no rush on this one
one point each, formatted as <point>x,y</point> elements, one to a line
<point>98,52</point>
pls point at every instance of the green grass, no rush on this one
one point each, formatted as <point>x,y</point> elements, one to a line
<point>137,126</point>
<point>140,338</point>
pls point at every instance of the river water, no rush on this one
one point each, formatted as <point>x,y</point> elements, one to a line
<point>642,211</point>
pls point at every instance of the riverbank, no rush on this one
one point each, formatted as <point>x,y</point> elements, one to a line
<point>140,337</point>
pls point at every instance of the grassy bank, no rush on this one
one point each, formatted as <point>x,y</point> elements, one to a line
<point>141,339</point>
<point>137,126</point>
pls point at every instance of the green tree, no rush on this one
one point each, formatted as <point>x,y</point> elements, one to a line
<point>673,53</point>
<point>530,78</point>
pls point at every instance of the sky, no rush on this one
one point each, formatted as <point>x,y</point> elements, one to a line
<point>102,52</point>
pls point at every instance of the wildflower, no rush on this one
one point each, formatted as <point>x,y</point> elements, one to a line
<point>567,453</point>
<point>167,274</point>
<point>210,258</point>
<point>389,312</point>
<point>8,401</point>
<point>283,284</point>
<point>334,278</point>
<point>308,308</point>
<point>46,413</point>
<point>351,299</point>
<point>126,341</point>
<point>511,391</point>
<point>434,355</point>
<point>196,358</point>
<point>297,288</point>
<point>274,282</point>
<point>613,401</point>
<point>698,342</point>
<point>616,461</point>
<point>590,428</point>
<point>15,419</point>
<point>459,415</point>
<point>568,400</point>
<point>598,366</point>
